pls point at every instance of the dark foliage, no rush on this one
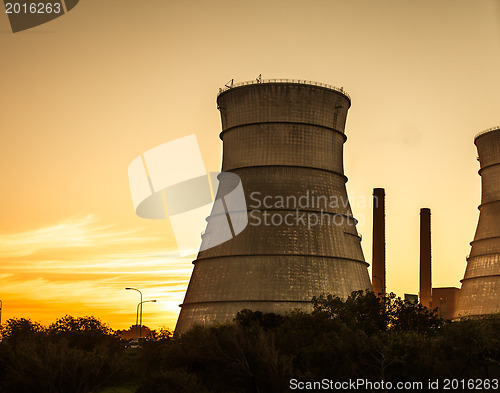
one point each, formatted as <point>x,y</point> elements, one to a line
<point>362,336</point>
<point>372,314</point>
<point>73,355</point>
<point>265,320</point>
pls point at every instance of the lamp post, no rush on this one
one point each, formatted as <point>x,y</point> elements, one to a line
<point>137,313</point>
<point>140,304</point>
<point>1,312</point>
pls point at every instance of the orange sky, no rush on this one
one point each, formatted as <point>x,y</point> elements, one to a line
<point>85,94</point>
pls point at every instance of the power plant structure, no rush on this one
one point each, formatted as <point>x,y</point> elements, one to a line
<point>378,244</point>
<point>480,293</point>
<point>284,139</point>
<point>425,282</point>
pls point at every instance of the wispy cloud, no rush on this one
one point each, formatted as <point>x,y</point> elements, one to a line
<point>74,232</point>
<point>82,264</point>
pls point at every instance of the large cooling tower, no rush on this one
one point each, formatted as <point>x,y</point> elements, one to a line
<point>480,294</point>
<point>284,139</point>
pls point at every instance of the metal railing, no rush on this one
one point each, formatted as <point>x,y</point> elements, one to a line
<point>299,81</point>
<point>486,131</point>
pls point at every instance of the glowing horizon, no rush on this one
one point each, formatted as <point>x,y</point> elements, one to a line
<point>85,94</point>
<point>75,263</point>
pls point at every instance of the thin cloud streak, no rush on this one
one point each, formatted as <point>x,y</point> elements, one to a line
<point>74,232</point>
<point>74,267</point>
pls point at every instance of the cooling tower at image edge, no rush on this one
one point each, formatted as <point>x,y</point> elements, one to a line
<point>284,139</point>
<point>480,293</point>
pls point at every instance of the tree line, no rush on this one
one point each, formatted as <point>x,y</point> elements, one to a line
<point>363,336</point>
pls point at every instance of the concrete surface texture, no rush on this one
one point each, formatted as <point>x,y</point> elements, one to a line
<point>480,293</point>
<point>284,139</point>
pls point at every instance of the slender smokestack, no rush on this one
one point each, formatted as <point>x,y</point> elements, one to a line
<point>425,258</point>
<point>378,244</point>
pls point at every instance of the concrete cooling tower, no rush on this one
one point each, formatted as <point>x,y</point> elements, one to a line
<point>480,294</point>
<point>284,139</point>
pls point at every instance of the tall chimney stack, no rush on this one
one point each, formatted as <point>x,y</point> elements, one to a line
<point>425,292</point>
<point>378,244</point>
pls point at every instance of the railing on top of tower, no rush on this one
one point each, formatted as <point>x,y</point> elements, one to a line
<point>486,131</point>
<point>257,81</point>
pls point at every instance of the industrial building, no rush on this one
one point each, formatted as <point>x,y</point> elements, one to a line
<point>283,146</point>
<point>480,293</point>
<point>443,298</point>
<point>284,139</point>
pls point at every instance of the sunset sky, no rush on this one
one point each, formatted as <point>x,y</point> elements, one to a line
<point>85,94</point>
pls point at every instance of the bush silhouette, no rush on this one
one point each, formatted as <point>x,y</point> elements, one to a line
<point>363,336</point>
<point>76,355</point>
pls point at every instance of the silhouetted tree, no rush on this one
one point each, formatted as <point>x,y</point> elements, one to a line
<point>372,314</point>
<point>267,321</point>
<point>134,330</point>
<point>362,336</point>
<point>19,329</point>
<point>73,355</point>
<point>83,332</point>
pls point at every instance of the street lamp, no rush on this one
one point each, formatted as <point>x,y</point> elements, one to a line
<point>1,312</point>
<point>140,304</point>
<point>137,313</point>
